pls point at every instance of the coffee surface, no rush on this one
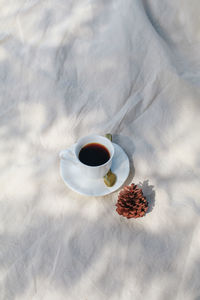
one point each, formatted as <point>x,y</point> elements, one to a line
<point>94,154</point>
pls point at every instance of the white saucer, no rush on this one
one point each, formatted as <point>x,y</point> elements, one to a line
<point>76,181</point>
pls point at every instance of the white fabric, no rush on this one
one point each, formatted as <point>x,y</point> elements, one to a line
<point>73,67</point>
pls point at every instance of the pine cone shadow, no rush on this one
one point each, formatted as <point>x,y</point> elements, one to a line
<point>149,193</point>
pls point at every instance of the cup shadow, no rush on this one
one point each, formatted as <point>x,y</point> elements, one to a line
<point>128,146</point>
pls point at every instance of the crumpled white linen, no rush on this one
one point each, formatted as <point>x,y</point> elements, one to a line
<point>73,67</point>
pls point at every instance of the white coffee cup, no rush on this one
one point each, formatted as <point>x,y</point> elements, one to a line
<point>93,172</point>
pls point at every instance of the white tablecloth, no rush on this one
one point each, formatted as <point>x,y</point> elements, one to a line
<point>69,68</point>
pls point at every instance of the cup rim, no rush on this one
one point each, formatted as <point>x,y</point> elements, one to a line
<point>95,135</point>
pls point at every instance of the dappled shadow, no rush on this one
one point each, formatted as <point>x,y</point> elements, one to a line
<point>58,87</point>
<point>184,51</point>
<point>54,253</point>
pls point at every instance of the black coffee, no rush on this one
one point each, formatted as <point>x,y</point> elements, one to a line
<point>94,154</point>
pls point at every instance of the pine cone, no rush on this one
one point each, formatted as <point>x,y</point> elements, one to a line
<point>131,202</point>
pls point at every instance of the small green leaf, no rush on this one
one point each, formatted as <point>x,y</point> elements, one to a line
<point>109,136</point>
<point>110,178</point>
